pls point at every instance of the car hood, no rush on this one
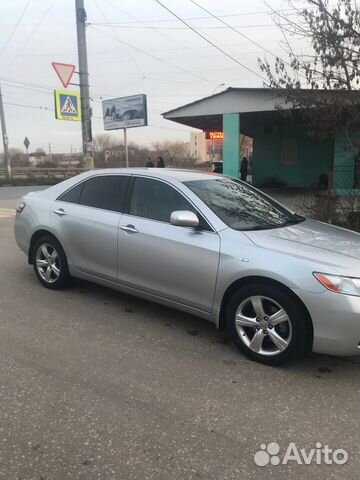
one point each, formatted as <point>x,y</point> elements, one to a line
<point>309,237</point>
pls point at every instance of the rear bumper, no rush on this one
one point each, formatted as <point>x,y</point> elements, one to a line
<point>21,230</point>
<point>336,322</point>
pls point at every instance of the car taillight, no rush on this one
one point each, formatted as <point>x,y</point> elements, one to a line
<point>20,207</point>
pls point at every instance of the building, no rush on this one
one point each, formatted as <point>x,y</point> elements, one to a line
<point>197,147</point>
<point>283,152</point>
<point>112,154</point>
<point>36,159</point>
<point>208,146</point>
<point>67,160</point>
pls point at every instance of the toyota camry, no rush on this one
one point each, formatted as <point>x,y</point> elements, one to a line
<point>206,244</point>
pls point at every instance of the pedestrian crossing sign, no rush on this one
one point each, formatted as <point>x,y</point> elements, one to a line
<point>67,105</point>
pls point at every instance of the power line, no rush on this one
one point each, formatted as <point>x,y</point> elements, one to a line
<point>103,53</point>
<point>210,42</point>
<point>15,28</point>
<point>14,83</point>
<point>115,33</point>
<point>48,109</point>
<point>162,20</point>
<point>97,99</point>
<point>32,33</point>
<point>29,106</point>
<point>157,30</point>
<point>131,27</point>
<point>153,56</point>
<point>234,29</point>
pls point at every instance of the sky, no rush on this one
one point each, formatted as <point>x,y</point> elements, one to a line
<point>134,47</point>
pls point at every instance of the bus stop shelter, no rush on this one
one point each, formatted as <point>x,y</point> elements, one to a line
<point>282,148</point>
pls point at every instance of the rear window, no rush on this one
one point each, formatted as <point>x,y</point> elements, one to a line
<point>73,195</point>
<point>105,192</point>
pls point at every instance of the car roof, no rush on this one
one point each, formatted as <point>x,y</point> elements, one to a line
<point>171,173</point>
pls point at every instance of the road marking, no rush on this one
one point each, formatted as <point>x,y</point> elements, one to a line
<point>7,212</point>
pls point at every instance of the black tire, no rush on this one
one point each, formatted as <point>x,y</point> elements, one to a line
<point>56,281</point>
<point>296,331</point>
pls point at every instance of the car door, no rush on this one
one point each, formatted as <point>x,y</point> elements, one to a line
<point>86,221</point>
<point>177,263</point>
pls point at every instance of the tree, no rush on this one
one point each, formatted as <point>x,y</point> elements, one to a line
<point>18,158</point>
<point>40,151</point>
<point>175,153</point>
<point>323,83</point>
<point>318,83</point>
<point>101,143</point>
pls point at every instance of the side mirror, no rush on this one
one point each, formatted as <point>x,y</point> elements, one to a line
<point>184,218</point>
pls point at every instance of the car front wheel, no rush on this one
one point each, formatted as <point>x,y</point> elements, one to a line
<point>50,264</point>
<point>268,324</point>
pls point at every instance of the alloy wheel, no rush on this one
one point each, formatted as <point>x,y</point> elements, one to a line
<point>263,325</point>
<point>48,263</point>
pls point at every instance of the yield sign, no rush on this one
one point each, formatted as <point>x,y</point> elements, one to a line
<point>64,71</point>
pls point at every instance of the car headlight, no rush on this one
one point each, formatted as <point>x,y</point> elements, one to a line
<point>339,284</point>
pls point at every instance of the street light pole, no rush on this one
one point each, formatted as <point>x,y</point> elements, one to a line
<point>5,139</point>
<point>84,82</point>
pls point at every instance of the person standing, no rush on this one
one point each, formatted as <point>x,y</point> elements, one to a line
<point>243,169</point>
<point>160,162</point>
<point>149,163</point>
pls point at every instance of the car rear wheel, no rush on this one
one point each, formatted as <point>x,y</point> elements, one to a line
<point>268,324</point>
<point>50,264</point>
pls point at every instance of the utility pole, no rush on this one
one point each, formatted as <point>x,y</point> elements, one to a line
<point>126,148</point>
<point>50,154</point>
<point>5,139</point>
<point>81,18</point>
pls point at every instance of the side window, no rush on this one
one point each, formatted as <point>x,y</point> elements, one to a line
<point>157,200</point>
<point>73,195</point>
<point>105,192</point>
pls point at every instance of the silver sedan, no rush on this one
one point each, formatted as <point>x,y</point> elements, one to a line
<point>213,246</point>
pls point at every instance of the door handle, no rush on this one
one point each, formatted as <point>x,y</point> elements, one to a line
<point>60,211</point>
<point>130,229</point>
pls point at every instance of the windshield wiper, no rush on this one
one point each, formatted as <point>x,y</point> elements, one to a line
<point>293,221</point>
<point>270,226</point>
<point>260,227</point>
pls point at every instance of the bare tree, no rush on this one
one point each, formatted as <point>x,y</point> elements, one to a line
<point>175,153</point>
<point>101,143</point>
<point>18,157</point>
<point>40,151</point>
<point>322,83</point>
<point>317,83</point>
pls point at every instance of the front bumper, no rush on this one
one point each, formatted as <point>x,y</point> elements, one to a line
<point>336,322</point>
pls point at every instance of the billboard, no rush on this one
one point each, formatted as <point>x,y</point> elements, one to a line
<point>125,112</point>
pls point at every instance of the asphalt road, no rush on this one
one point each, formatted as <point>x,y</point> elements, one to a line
<point>95,384</point>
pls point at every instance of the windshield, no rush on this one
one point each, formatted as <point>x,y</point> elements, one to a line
<point>240,206</point>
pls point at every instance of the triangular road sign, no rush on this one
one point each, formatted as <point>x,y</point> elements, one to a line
<point>64,71</point>
<point>68,106</point>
